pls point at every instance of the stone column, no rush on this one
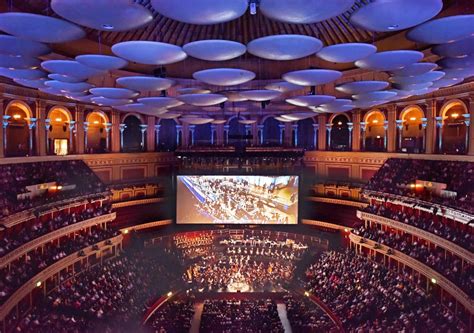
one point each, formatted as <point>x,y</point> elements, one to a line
<point>363,127</point>
<point>399,133</point>
<point>329,130</point>
<point>192,130</point>
<point>179,130</point>
<point>47,127</point>
<point>322,133</point>
<point>430,139</point>
<point>108,128</point>
<point>157,136</point>
<point>150,134</point>
<point>39,132</point>
<point>439,126</point>
<point>86,129</point>
<point>356,131</point>
<point>471,128</point>
<point>72,133</point>
<point>350,127</point>
<point>31,127</point>
<point>115,134</point>
<point>4,130</point>
<point>385,135</point>
<point>390,131</point>
<point>287,140</point>
<point>213,130</point>
<point>282,131</point>
<point>226,134</point>
<point>295,133</point>
<point>143,129</point>
<point>79,147</point>
<point>467,122</point>
<point>122,128</point>
<point>315,136</point>
<point>260,134</point>
<point>423,138</point>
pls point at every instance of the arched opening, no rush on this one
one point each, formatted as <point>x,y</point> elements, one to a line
<point>167,135</point>
<point>59,138</point>
<point>454,130</point>
<point>236,132</point>
<point>340,140</point>
<point>412,136</point>
<point>132,135</point>
<point>306,133</point>
<point>202,135</point>
<point>18,135</point>
<point>375,132</point>
<point>96,139</point>
<point>271,132</point>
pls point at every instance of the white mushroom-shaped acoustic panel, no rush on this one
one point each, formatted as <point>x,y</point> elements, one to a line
<point>415,69</point>
<point>224,76</point>
<point>141,108</point>
<point>64,78</point>
<point>347,52</point>
<point>85,99</point>
<point>458,73</point>
<point>39,28</point>
<point>110,101</point>
<point>103,62</point>
<point>361,87</point>
<point>70,68</point>
<point>443,30</point>
<point>51,91</point>
<point>283,86</point>
<point>31,83</point>
<point>304,11</point>
<point>145,83</point>
<point>196,120</point>
<point>169,115</point>
<point>247,122</point>
<point>214,49</point>
<point>219,121</point>
<point>427,77</point>
<point>338,105</point>
<point>202,99</point>
<point>106,15</point>
<point>461,63</point>
<point>298,116</point>
<point>234,96</point>
<point>11,45</point>
<point>443,83</point>
<point>461,48</point>
<point>69,87</point>
<point>149,52</point>
<point>160,102</point>
<point>393,15</point>
<point>260,95</point>
<point>389,60</point>
<point>202,11</point>
<point>29,74</point>
<point>284,47</point>
<point>413,86</point>
<point>283,120</point>
<point>192,90</point>
<point>375,96</point>
<point>311,100</point>
<point>10,61</point>
<point>114,92</point>
<point>312,77</point>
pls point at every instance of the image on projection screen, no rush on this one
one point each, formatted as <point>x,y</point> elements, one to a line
<point>237,200</point>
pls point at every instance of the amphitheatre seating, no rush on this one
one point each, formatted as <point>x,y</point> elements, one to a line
<point>399,177</point>
<point>25,186</point>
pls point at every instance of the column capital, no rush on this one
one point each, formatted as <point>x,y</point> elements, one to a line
<point>226,127</point>
<point>108,127</point>
<point>143,128</point>
<point>350,126</point>
<point>157,127</point>
<point>316,126</point>
<point>281,126</point>
<point>261,126</point>
<point>363,125</point>
<point>329,127</point>
<point>122,127</point>
<point>295,126</point>
<point>467,119</point>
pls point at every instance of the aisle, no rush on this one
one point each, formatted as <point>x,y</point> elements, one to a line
<point>281,308</point>
<point>196,321</point>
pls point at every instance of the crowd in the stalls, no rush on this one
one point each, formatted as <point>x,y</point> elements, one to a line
<point>216,273</point>
<point>306,317</point>
<point>38,227</point>
<point>449,266</point>
<point>173,316</point>
<point>107,298</point>
<point>397,176</point>
<point>461,235</point>
<point>64,179</point>
<point>367,297</point>
<point>23,269</point>
<point>218,163</point>
<point>240,316</point>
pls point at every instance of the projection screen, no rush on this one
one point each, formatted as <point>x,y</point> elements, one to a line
<point>207,199</point>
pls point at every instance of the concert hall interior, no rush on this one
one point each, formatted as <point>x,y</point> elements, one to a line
<point>256,166</point>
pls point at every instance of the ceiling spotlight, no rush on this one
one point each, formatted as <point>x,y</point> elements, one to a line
<point>107,26</point>
<point>253,7</point>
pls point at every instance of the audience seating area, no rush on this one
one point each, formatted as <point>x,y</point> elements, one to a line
<point>398,177</point>
<point>53,181</point>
